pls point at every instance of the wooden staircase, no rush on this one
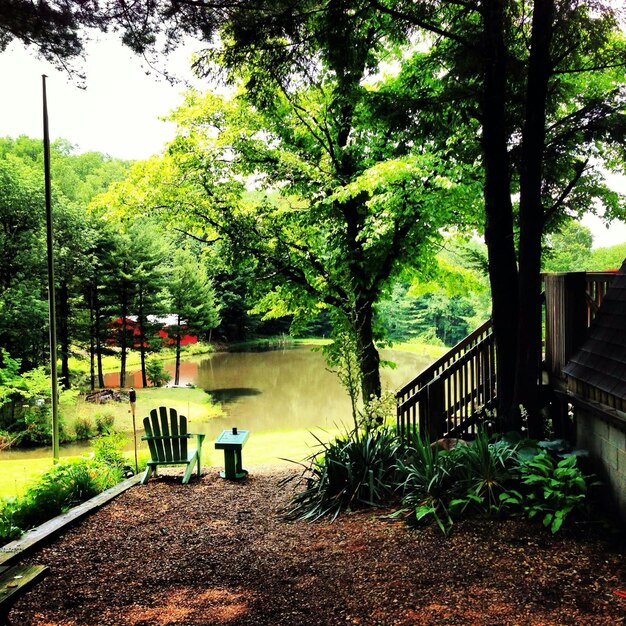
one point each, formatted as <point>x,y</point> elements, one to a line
<point>444,399</point>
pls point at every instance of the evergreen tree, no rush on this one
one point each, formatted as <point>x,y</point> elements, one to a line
<point>193,299</point>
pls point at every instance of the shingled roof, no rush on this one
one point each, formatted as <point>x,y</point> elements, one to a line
<point>601,361</point>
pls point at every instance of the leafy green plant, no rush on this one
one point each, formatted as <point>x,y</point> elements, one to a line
<point>491,478</point>
<point>156,372</point>
<point>342,358</point>
<point>356,469</point>
<point>8,529</point>
<point>428,482</point>
<point>553,489</point>
<point>104,423</point>
<point>108,450</point>
<point>61,487</point>
<point>84,428</point>
<point>34,427</point>
<point>486,471</point>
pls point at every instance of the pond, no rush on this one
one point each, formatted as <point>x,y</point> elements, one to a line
<point>284,390</point>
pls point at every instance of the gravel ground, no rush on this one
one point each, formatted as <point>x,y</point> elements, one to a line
<point>216,552</point>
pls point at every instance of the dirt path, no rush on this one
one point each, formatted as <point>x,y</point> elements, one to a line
<point>215,552</point>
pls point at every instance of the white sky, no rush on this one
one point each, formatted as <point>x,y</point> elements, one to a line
<point>118,113</point>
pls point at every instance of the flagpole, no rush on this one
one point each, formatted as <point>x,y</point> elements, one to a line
<point>51,299</point>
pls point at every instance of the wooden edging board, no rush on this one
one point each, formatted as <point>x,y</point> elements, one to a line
<point>12,552</point>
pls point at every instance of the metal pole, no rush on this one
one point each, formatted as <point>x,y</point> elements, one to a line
<point>51,299</point>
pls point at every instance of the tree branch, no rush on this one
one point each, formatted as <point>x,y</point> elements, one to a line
<point>416,21</point>
<point>566,192</point>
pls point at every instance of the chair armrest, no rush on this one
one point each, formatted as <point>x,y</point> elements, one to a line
<point>187,436</point>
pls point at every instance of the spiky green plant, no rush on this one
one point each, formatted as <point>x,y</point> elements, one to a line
<point>353,470</point>
<point>428,480</point>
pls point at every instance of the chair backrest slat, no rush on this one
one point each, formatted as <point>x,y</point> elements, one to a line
<point>176,443</point>
<point>165,431</point>
<point>183,441</point>
<point>156,430</point>
<point>149,434</point>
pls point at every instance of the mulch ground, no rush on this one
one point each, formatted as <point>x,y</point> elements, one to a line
<point>216,552</point>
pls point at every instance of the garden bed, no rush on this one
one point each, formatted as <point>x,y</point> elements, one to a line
<point>215,552</point>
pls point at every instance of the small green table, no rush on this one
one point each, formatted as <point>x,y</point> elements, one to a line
<point>232,441</point>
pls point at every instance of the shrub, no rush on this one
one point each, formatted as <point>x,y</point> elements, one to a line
<point>486,472</point>
<point>8,529</point>
<point>61,487</point>
<point>490,478</point>
<point>550,489</point>
<point>108,450</point>
<point>356,469</point>
<point>104,423</point>
<point>428,481</point>
<point>156,372</point>
<point>34,428</point>
<point>84,428</point>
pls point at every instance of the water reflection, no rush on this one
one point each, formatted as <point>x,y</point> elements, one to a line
<point>231,395</point>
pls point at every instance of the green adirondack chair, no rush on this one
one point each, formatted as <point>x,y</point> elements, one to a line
<point>166,434</point>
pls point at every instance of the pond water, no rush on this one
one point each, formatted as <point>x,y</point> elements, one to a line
<point>289,389</point>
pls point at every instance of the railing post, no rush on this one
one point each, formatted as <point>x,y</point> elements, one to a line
<point>566,318</point>
<point>566,328</point>
<point>435,410</point>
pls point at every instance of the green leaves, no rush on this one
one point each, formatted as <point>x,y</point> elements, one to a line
<point>490,478</point>
<point>354,470</point>
<point>554,489</point>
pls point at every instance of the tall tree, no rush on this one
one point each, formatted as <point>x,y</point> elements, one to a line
<point>22,263</point>
<point>346,200</point>
<point>569,249</point>
<point>545,82</point>
<point>151,254</point>
<point>193,300</point>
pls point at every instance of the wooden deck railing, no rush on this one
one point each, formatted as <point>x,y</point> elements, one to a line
<point>444,398</point>
<point>597,286</point>
<point>572,301</point>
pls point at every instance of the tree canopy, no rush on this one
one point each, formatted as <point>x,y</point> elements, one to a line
<point>361,129</point>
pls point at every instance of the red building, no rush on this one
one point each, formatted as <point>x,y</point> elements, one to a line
<point>166,322</point>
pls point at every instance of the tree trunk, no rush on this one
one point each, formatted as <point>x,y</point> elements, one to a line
<point>369,359</point>
<point>98,333</point>
<point>92,343</point>
<point>532,217</point>
<point>142,340</point>
<point>498,207</point>
<point>123,350</point>
<point>177,370</point>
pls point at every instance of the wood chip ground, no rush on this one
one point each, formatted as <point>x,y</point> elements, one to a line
<point>216,552</point>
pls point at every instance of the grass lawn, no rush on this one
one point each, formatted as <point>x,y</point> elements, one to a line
<point>194,403</point>
<point>16,475</point>
<point>277,447</point>
<point>418,347</point>
<point>272,448</point>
